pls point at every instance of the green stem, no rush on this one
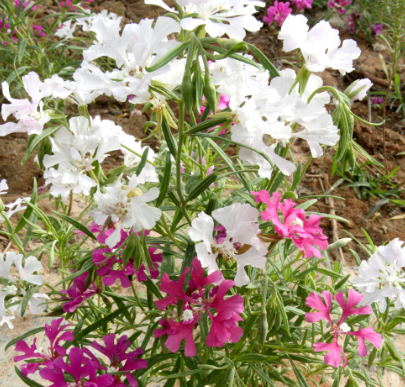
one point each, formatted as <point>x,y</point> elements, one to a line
<point>178,160</point>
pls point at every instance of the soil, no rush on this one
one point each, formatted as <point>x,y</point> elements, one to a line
<point>380,226</point>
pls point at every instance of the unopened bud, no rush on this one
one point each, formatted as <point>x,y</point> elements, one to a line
<point>339,244</point>
<point>263,328</point>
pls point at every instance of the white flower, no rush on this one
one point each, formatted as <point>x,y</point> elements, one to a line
<point>231,17</point>
<point>5,314</point>
<point>5,264</point>
<point>26,272</point>
<point>29,113</point>
<point>358,89</point>
<point>75,153</point>
<point>136,48</point>
<point>188,315</point>
<point>37,303</point>
<point>16,206</point>
<point>66,30</point>
<point>11,290</point>
<point>319,46</point>
<point>127,203</point>
<point>87,22</point>
<point>382,276</point>
<point>238,227</point>
<point>3,187</point>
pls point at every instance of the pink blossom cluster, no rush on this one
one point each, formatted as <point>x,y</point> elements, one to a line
<point>341,328</point>
<point>110,265</point>
<point>81,364</point>
<point>376,29</point>
<point>339,5</point>
<point>305,233</point>
<point>376,100</point>
<point>37,30</point>
<point>70,6</point>
<point>224,321</point>
<point>280,10</point>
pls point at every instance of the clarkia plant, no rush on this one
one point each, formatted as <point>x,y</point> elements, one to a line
<point>188,263</point>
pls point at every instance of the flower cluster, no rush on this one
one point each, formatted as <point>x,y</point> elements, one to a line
<point>17,287</point>
<point>196,303</point>
<point>80,365</point>
<point>340,328</point>
<point>36,30</point>
<point>305,233</point>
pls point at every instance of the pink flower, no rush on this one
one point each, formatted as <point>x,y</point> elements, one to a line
<point>77,293</point>
<point>305,233</point>
<point>117,354</point>
<point>224,320</point>
<point>340,328</point>
<point>302,4</point>
<point>339,5</point>
<point>55,334</point>
<point>278,12</point>
<point>108,270</point>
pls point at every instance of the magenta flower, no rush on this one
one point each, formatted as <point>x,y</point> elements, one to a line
<point>376,100</point>
<point>117,354</point>
<point>224,320</point>
<point>376,29</point>
<point>305,233</point>
<point>222,104</point>
<point>111,268</point>
<point>356,15</point>
<point>341,328</point>
<point>80,367</point>
<point>302,4</point>
<point>339,5</point>
<point>77,293</point>
<point>278,12</point>
<point>55,334</point>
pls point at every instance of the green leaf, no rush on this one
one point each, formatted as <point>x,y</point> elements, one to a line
<point>164,186</point>
<point>229,162</point>
<point>27,381</point>
<point>168,57</point>
<point>28,210</point>
<point>329,273</point>
<point>206,125</point>
<point>264,61</point>
<point>300,377</point>
<point>142,163</point>
<point>100,323</point>
<point>36,140</point>
<point>167,134</point>
<point>202,186</point>
<point>76,224</point>
<point>22,43</point>
<point>262,375</point>
<point>27,297</point>
<point>23,336</point>
<point>175,370</point>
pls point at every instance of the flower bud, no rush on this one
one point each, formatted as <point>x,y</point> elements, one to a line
<point>229,44</point>
<point>210,92</point>
<point>2,208</point>
<point>339,244</point>
<point>187,90</point>
<point>358,89</point>
<point>263,328</point>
